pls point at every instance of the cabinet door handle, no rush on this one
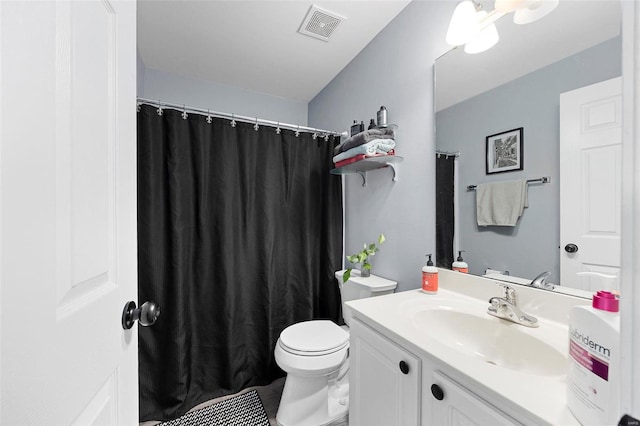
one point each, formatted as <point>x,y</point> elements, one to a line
<point>404,367</point>
<point>437,392</point>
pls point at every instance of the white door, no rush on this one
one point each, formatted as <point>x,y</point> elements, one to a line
<point>67,212</point>
<point>590,182</point>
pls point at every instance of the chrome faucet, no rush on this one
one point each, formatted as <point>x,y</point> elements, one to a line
<point>539,281</point>
<point>507,308</point>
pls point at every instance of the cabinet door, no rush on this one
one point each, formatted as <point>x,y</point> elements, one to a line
<point>384,381</point>
<point>454,405</point>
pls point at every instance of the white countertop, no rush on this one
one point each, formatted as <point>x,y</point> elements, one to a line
<point>539,398</point>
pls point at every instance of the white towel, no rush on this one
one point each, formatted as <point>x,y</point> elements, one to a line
<point>501,203</point>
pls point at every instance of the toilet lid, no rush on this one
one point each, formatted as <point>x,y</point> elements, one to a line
<point>313,338</point>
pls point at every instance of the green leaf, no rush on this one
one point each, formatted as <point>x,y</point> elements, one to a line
<point>353,258</point>
<point>367,266</point>
<point>346,276</point>
<point>381,239</point>
<point>372,246</point>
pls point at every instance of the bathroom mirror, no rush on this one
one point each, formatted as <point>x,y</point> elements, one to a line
<point>516,84</point>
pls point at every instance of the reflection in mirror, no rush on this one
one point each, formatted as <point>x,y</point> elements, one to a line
<point>516,84</point>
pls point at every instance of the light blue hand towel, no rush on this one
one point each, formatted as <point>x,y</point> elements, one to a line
<point>501,203</point>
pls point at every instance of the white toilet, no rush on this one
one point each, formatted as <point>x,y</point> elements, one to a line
<point>314,354</point>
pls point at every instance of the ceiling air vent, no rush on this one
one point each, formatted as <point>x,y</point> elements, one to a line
<point>320,23</point>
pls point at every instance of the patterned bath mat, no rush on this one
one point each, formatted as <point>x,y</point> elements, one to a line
<point>241,410</point>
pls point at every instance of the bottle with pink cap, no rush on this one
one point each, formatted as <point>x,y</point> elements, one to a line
<point>594,357</point>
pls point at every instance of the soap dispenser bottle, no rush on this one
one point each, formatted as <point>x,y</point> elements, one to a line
<point>429,277</point>
<point>594,358</point>
<point>460,265</point>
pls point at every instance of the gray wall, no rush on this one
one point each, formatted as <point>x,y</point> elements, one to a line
<point>394,70</point>
<point>140,70</point>
<point>531,102</point>
<point>174,88</point>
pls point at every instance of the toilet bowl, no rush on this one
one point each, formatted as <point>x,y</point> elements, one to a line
<point>314,354</point>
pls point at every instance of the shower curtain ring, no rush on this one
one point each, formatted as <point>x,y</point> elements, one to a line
<point>255,126</point>
<point>298,131</point>
<point>278,128</point>
<point>184,112</point>
<point>138,106</point>
<point>233,120</point>
<point>326,137</point>
<point>208,117</point>
<point>314,136</point>
<point>159,107</point>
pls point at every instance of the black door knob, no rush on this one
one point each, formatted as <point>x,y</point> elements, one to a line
<point>146,315</point>
<point>571,248</point>
<point>437,392</point>
<point>404,367</point>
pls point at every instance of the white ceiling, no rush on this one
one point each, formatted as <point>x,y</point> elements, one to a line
<point>255,44</point>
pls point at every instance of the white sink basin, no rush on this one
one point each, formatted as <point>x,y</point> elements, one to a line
<point>498,342</point>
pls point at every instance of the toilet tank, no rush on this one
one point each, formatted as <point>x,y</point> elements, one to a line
<point>358,288</point>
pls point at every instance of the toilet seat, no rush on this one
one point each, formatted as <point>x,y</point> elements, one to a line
<point>313,338</point>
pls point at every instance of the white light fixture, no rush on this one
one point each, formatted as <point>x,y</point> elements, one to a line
<point>534,10</point>
<point>476,29</point>
<point>464,24</point>
<point>486,39</point>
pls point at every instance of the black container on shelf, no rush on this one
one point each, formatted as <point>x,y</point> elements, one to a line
<point>357,128</point>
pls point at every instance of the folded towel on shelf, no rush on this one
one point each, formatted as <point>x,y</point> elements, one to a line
<point>348,161</point>
<point>364,137</point>
<point>361,157</point>
<point>376,146</point>
<point>501,203</point>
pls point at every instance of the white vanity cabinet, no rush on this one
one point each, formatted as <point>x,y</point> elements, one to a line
<point>452,404</point>
<point>389,385</point>
<point>384,381</point>
<point>488,371</point>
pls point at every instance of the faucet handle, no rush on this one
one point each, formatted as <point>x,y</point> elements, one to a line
<point>509,294</point>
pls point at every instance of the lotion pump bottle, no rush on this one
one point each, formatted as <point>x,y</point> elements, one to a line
<point>460,265</point>
<point>594,358</point>
<point>429,277</point>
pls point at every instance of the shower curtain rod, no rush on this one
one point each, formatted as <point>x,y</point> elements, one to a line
<point>256,120</point>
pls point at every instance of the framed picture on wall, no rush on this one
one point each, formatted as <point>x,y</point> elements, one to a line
<point>505,151</point>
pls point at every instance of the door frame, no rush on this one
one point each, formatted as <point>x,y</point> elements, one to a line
<point>630,272</point>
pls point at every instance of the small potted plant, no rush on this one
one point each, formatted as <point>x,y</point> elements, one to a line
<point>363,257</point>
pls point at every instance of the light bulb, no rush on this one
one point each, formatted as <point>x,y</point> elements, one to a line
<point>506,6</point>
<point>535,10</point>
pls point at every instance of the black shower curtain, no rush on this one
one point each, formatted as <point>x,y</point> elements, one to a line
<point>444,210</point>
<point>239,235</point>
